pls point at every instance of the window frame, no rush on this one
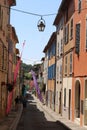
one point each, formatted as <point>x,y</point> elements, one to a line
<point>71,62</point>
<point>66,61</point>
<point>71,29</point>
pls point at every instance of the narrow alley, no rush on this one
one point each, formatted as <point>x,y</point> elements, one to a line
<point>34,118</point>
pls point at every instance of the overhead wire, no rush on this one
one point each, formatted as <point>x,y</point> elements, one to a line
<point>35,14</point>
<point>30,13</point>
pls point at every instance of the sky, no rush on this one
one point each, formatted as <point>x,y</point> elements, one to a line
<point>26,27</point>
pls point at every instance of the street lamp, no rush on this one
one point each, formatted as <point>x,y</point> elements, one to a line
<point>41,25</point>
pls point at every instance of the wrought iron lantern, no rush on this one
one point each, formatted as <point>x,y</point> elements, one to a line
<point>41,25</point>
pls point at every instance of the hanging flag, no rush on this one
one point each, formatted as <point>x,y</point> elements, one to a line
<point>18,64</point>
<point>36,86</point>
<point>16,70</point>
<point>10,95</point>
<point>9,102</point>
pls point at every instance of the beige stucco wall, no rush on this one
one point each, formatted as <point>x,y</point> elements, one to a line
<point>67,83</point>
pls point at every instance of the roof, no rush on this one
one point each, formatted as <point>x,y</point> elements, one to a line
<point>17,51</point>
<point>15,36</point>
<point>52,38</point>
<point>64,4</point>
<point>12,2</point>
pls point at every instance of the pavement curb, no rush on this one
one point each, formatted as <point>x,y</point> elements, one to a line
<point>50,112</point>
<point>58,118</point>
<point>16,120</point>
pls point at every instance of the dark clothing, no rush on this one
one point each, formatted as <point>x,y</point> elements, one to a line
<point>16,103</point>
<point>16,100</point>
<point>24,103</point>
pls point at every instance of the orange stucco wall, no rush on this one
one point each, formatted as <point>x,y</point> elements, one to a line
<point>79,61</point>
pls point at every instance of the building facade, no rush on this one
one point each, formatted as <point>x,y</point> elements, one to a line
<point>4,21</point>
<point>74,86</point>
<point>79,82</point>
<point>6,46</point>
<point>45,72</point>
<point>51,89</point>
<point>59,23</point>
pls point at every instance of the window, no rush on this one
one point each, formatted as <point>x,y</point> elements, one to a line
<point>77,49</point>
<point>64,97</point>
<point>58,49</point>
<point>51,72</point>
<point>71,63</point>
<point>4,57</point>
<point>79,5</point>
<point>62,20</point>
<point>61,50</point>
<point>53,49</point>
<point>10,47</point>
<point>66,34</point>
<point>86,33</point>
<point>1,57</point>
<point>71,29</point>
<point>65,65</point>
<point>0,17</point>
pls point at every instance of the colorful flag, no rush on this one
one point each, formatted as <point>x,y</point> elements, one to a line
<point>36,86</point>
<point>10,94</point>
<point>18,65</point>
<point>9,102</point>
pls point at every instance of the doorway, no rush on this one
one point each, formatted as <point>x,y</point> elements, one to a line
<point>85,104</point>
<point>77,100</point>
<point>69,102</point>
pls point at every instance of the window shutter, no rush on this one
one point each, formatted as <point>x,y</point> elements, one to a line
<point>1,57</point>
<point>77,49</point>
<point>65,65</point>
<point>67,33</point>
<point>71,63</point>
<point>5,58</point>
<point>79,6</point>
<point>71,29</point>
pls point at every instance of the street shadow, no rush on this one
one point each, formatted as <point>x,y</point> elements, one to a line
<point>33,118</point>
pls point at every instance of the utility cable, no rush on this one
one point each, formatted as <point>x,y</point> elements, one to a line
<point>30,13</point>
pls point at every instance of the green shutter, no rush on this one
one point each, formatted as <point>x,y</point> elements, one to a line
<point>77,48</point>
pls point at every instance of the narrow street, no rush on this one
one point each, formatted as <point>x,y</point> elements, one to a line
<point>34,118</point>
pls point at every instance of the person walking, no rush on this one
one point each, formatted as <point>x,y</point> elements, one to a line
<point>16,103</point>
<point>24,102</point>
